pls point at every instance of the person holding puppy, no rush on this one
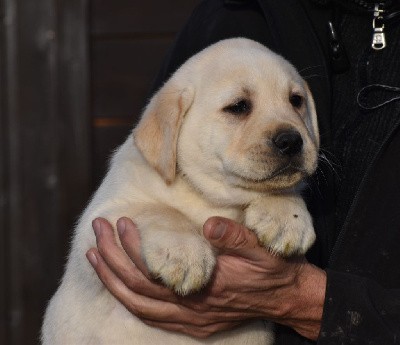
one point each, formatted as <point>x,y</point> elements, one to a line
<point>347,289</point>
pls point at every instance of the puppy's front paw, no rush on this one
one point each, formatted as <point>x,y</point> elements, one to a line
<point>283,226</point>
<point>183,263</point>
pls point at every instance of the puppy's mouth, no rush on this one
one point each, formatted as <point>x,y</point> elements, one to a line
<point>282,178</point>
<point>287,171</point>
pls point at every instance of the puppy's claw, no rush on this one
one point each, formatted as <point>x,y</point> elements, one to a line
<point>184,266</point>
<point>279,232</point>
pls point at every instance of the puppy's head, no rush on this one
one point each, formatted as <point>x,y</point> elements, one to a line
<point>234,116</point>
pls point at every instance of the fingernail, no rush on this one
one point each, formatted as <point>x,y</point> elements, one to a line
<point>96,227</point>
<point>121,226</point>
<point>92,258</point>
<point>218,231</point>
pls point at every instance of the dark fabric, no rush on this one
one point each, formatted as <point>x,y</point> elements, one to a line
<point>358,6</point>
<point>362,299</point>
<point>363,295</point>
<point>367,129</point>
<point>369,316</point>
<point>369,244</point>
<point>211,22</point>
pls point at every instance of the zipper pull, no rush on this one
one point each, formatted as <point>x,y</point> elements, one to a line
<point>339,60</point>
<point>378,37</point>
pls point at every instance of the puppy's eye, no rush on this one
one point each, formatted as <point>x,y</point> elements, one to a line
<point>242,107</point>
<point>296,100</point>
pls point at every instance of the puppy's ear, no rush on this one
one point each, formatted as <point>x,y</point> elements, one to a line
<point>312,121</point>
<point>156,134</point>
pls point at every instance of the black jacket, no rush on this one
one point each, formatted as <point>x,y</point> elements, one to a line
<point>362,303</point>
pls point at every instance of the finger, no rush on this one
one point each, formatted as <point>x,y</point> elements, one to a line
<point>121,265</point>
<point>229,236</point>
<point>130,241</point>
<point>139,305</point>
<point>144,307</point>
<point>114,256</point>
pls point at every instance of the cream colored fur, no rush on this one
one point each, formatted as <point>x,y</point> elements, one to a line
<point>191,159</point>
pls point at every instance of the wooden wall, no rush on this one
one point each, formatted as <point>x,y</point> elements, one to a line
<point>45,159</point>
<point>128,42</point>
<point>74,75</point>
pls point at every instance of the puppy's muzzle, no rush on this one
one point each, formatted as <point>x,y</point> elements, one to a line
<point>288,143</point>
<point>287,146</point>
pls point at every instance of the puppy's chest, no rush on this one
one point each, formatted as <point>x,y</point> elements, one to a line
<point>199,215</point>
<point>198,209</point>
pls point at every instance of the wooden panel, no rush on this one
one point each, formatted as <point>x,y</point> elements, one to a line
<point>45,110</point>
<point>129,40</point>
<point>151,16</point>
<point>122,73</point>
<point>3,191</point>
<point>105,140</point>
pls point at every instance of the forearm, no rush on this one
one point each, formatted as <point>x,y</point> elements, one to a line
<point>302,301</point>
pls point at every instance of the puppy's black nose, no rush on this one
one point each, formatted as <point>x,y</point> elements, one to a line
<point>288,142</point>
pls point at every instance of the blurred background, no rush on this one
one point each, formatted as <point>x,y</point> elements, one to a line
<point>74,76</point>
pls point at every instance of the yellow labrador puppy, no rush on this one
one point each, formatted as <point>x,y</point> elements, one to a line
<point>232,133</point>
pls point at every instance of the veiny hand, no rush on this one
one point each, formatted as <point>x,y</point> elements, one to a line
<point>248,283</point>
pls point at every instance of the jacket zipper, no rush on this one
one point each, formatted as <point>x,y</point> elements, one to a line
<point>378,37</point>
<point>356,198</point>
<point>381,17</point>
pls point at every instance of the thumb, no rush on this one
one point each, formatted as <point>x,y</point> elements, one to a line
<point>229,236</point>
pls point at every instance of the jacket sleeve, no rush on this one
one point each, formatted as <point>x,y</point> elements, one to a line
<point>359,311</point>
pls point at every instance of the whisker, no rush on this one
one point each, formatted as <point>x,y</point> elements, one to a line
<point>310,67</point>
<point>322,158</point>
<point>313,76</point>
<point>323,174</point>
<point>313,185</point>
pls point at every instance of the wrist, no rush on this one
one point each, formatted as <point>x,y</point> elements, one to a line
<point>305,301</point>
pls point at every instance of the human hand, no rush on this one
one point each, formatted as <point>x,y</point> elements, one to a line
<point>248,283</point>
